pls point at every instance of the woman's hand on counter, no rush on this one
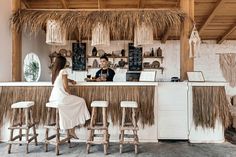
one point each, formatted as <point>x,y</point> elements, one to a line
<point>73,82</point>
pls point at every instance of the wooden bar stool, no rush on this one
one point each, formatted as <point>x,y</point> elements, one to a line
<point>129,125</point>
<point>24,106</point>
<point>54,126</point>
<point>94,125</point>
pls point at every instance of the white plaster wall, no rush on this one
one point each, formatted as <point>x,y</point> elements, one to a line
<point>36,44</point>
<point>208,62</point>
<point>5,41</point>
<point>170,52</point>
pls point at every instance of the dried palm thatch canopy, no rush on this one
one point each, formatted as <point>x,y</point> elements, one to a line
<point>120,22</point>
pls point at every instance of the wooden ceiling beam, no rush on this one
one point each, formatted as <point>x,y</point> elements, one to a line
<point>26,4</point>
<point>140,4</point>
<point>101,4</point>
<point>64,4</point>
<point>212,14</point>
<point>227,33</point>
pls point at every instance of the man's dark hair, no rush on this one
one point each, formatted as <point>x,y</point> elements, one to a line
<point>104,57</point>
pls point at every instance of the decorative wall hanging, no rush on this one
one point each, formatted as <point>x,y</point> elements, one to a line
<point>143,35</point>
<point>228,67</point>
<point>121,22</point>
<point>100,35</point>
<point>55,34</point>
<point>194,43</point>
<point>79,56</point>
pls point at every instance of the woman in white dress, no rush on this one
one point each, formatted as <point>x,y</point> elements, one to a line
<point>72,109</point>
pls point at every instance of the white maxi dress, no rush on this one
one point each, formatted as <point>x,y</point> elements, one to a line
<point>72,109</point>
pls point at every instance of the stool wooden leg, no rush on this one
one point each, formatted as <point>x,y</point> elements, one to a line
<point>47,130</point>
<point>11,130</point>
<point>121,140</point>
<point>105,132</point>
<point>11,136</point>
<point>34,127</point>
<point>135,131</point>
<point>27,130</point>
<point>57,133</point>
<point>20,123</point>
<point>57,141</point>
<point>93,123</point>
<point>122,131</point>
<point>68,136</point>
<point>91,132</point>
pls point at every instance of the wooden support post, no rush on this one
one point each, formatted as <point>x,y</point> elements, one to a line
<point>16,46</point>
<point>186,63</point>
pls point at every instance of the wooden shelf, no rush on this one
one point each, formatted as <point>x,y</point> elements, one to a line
<point>111,68</point>
<point>108,56</point>
<point>153,57</point>
<point>160,68</point>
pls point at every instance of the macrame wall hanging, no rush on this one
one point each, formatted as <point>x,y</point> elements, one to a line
<point>228,67</point>
<point>194,43</point>
<point>100,35</point>
<point>143,35</point>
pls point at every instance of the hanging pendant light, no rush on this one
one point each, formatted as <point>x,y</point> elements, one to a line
<point>143,35</point>
<point>55,34</point>
<point>100,35</point>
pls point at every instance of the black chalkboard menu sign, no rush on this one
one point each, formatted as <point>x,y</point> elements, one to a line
<point>135,58</point>
<point>79,56</point>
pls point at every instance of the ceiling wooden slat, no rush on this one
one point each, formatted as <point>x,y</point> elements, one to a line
<point>212,15</point>
<point>231,30</point>
<point>140,3</point>
<point>25,3</point>
<point>64,4</point>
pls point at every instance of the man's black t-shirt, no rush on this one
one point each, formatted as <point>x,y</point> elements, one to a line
<point>107,73</point>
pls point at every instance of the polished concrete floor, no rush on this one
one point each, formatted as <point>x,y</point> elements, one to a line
<point>161,149</point>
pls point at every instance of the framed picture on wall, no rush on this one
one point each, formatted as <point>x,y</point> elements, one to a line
<point>195,76</point>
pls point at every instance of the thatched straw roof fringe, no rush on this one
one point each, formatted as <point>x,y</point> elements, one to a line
<point>121,23</point>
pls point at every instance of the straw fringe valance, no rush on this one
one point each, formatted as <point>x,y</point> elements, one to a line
<point>113,94</point>
<point>121,22</point>
<point>228,67</point>
<point>209,104</point>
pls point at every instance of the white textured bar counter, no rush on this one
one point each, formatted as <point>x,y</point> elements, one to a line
<point>20,84</point>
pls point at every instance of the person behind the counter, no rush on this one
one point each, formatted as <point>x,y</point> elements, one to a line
<point>105,73</point>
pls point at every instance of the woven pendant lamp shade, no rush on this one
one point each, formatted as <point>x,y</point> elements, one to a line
<point>143,35</point>
<point>100,35</point>
<point>55,34</point>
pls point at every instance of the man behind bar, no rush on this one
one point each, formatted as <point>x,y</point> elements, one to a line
<point>105,73</point>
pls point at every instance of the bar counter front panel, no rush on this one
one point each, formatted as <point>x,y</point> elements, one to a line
<point>113,92</point>
<point>165,109</point>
